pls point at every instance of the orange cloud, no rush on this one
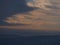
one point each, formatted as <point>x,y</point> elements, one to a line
<point>36,20</point>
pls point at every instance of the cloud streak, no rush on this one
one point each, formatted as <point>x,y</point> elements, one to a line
<point>36,20</point>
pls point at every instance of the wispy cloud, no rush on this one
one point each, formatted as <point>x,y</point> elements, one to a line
<point>36,20</point>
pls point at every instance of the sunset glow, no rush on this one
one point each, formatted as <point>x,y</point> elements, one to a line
<point>37,20</point>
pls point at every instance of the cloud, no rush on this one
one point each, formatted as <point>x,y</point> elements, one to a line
<point>30,4</point>
<point>43,4</point>
<point>36,20</point>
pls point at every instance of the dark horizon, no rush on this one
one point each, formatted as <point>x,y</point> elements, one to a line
<point>17,39</point>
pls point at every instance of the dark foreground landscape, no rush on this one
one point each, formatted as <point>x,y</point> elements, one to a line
<point>16,37</point>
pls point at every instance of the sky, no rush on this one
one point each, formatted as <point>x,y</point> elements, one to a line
<point>45,18</point>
